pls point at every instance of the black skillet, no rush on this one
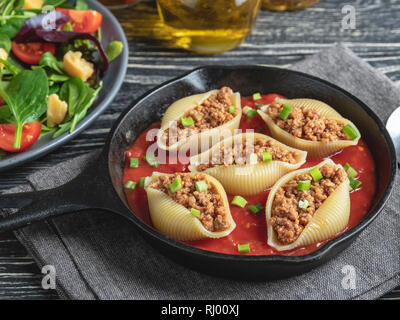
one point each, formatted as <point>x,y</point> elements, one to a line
<point>99,186</point>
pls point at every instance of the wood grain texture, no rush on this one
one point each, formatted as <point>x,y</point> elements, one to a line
<point>279,39</point>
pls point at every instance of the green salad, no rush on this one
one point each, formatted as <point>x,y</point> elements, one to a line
<point>51,66</point>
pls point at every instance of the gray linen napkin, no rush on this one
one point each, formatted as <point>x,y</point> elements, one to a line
<point>100,256</point>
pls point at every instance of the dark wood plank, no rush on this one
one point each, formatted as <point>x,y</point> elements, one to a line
<point>277,39</point>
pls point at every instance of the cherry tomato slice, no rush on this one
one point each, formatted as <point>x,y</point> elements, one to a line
<point>30,134</point>
<point>88,21</point>
<point>32,52</point>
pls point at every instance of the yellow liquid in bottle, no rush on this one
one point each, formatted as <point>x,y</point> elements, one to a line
<point>208,26</point>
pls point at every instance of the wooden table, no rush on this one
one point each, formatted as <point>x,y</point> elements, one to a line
<point>277,39</point>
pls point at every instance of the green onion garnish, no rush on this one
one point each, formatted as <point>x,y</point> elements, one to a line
<point>246,109</point>
<point>267,157</point>
<point>176,185</point>
<point>187,122</point>
<point>259,105</point>
<point>286,110</point>
<point>194,212</point>
<point>134,163</point>
<point>354,184</point>
<point>231,109</point>
<point>201,186</point>
<point>255,208</point>
<point>130,185</point>
<point>244,247</point>
<point>253,159</point>
<point>257,96</point>
<point>142,181</point>
<point>251,113</point>
<point>349,130</point>
<point>316,174</point>
<point>239,201</point>
<point>151,160</point>
<point>351,172</point>
<point>303,204</point>
<point>304,185</point>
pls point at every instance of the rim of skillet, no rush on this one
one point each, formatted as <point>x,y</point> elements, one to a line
<point>30,155</point>
<point>315,255</point>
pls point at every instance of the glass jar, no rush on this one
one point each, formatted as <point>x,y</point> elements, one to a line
<point>208,26</point>
<point>287,5</point>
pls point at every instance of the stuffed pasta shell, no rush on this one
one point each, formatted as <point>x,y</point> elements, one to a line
<point>307,206</point>
<point>248,163</point>
<point>309,125</point>
<point>188,206</point>
<point>201,119</point>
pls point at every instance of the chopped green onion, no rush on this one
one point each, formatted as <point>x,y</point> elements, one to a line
<point>187,122</point>
<point>316,174</point>
<point>256,208</point>
<point>253,158</point>
<point>246,109</point>
<point>142,181</point>
<point>244,247</point>
<point>201,186</point>
<point>239,201</point>
<point>351,172</point>
<point>267,157</point>
<point>304,185</point>
<point>303,204</point>
<point>151,160</point>
<point>286,110</point>
<point>257,96</point>
<point>251,113</point>
<point>231,109</point>
<point>354,184</point>
<point>349,130</point>
<point>134,163</point>
<point>176,185</point>
<point>130,185</point>
<point>259,105</point>
<point>194,212</point>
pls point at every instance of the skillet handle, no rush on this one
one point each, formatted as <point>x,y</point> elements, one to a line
<point>92,189</point>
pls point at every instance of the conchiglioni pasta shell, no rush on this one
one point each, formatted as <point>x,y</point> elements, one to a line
<point>206,137</point>
<point>330,218</point>
<point>247,179</point>
<point>175,221</point>
<point>315,149</point>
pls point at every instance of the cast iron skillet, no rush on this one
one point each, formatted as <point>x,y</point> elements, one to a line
<point>100,184</point>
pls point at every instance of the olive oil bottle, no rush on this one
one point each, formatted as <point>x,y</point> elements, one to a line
<point>208,26</point>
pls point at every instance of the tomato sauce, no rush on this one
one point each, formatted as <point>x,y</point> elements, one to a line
<point>251,228</point>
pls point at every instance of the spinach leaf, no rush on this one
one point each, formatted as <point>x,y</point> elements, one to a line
<point>81,5</point>
<point>80,97</point>
<point>26,97</point>
<point>5,42</point>
<point>114,49</point>
<point>11,66</point>
<point>49,61</point>
<point>5,114</point>
<point>12,26</point>
<point>54,3</point>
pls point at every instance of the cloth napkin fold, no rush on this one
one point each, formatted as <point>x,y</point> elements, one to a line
<point>100,256</point>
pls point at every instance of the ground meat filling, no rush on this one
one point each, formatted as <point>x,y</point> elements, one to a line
<point>287,219</point>
<point>240,153</point>
<point>211,113</point>
<point>308,124</point>
<point>213,214</point>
